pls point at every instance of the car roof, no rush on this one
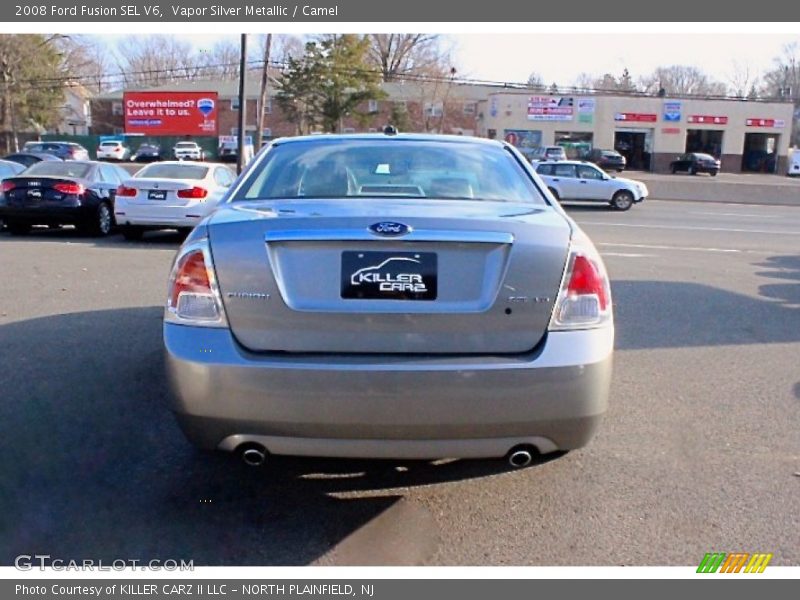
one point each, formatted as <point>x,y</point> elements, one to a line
<point>565,162</point>
<point>408,137</point>
<point>194,163</point>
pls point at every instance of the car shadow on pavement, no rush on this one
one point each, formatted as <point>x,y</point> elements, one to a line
<point>166,237</point>
<point>95,466</point>
<point>787,269</point>
<point>670,314</point>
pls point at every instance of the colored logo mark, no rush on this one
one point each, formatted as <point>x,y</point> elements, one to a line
<point>206,106</point>
<point>735,562</point>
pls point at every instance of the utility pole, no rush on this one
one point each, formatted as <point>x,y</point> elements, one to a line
<point>242,106</point>
<point>264,93</point>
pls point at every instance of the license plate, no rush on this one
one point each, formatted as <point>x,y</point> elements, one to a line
<point>34,194</point>
<point>389,275</point>
<point>156,195</point>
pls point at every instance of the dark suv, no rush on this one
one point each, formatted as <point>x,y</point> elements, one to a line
<point>608,160</point>
<point>63,150</point>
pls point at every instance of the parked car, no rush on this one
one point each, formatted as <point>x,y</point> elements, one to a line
<point>63,150</point>
<point>147,153</point>
<point>371,296</point>
<point>576,180</point>
<point>166,195</point>
<point>793,166</point>
<point>694,163</point>
<point>80,193</point>
<point>548,153</point>
<point>608,160</point>
<point>228,151</point>
<point>188,151</point>
<point>27,159</point>
<point>113,150</point>
<point>9,168</point>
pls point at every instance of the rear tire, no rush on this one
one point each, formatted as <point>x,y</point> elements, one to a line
<point>622,200</point>
<point>17,228</point>
<point>132,233</point>
<point>102,222</point>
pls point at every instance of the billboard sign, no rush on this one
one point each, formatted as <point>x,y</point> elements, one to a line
<point>636,117</point>
<point>170,113</point>
<point>550,108</point>
<point>524,139</point>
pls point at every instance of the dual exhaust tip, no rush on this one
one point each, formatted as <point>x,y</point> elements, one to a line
<point>255,455</point>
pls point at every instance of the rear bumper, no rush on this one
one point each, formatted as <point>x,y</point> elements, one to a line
<point>47,214</point>
<point>388,406</point>
<point>149,215</point>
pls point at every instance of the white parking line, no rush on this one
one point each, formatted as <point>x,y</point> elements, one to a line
<point>626,255</point>
<point>690,228</point>
<point>727,214</point>
<point>657,247</point>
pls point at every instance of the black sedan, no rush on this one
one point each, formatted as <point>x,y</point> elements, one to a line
<point>694,163</point>
<point>608,160</point>
<point>26,159</point>
<point>79,193</point>
<point>147,153</point>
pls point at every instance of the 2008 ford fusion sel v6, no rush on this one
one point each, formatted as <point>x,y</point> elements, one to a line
<point>389,296</point>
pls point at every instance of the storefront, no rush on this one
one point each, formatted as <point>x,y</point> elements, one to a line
<point>649,131</point>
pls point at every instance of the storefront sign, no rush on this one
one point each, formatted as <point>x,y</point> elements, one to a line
<point>670,130</point>
<point>707,119</point>
<point>672,111</point>
<point>550,108</point>
<point>776,123</point>
<point>636,117</point>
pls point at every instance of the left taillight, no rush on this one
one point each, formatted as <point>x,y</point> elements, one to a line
<point>584,300</point>
<point>193,296</point>
<point>126,191</point>
<point>195,193</point>
<point>7,186</point>
<point>72,189</point>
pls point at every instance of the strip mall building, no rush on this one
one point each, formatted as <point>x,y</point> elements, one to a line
<point>650,131</point>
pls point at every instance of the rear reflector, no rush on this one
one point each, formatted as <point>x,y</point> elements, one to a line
<point>126,191</point>
<point>73,189</point>
<point>196,193</point>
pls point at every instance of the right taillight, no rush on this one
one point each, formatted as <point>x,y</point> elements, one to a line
<point>7,186</point>
<point>126,191</point>
<point>195,193</point>
<point>584,300</point>
<point>193,296</point>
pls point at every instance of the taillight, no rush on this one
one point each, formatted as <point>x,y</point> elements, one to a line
<point>193,296</point>
<point>584,299</point>
<point>126,191</point>
<point>7,186</point>
<point>195,193</point>
<point>71,188</point>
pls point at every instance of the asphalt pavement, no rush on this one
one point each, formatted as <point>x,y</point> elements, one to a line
<point>699,452</point>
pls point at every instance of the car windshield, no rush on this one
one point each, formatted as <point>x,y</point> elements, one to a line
<point>59,169</point>
<point>382,168</point>
<point>167,171</point>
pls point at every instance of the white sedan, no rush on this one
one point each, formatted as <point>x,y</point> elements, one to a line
<point>170,195</point>
<point>576,180</point>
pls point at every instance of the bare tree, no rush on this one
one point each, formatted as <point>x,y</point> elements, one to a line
<point>585,83</point>
<point>682,80</point>
<point>536,82</point>
<point>220,62</point>
<point>156,60</point>
<point>396,55</point>
<point>742,79</point>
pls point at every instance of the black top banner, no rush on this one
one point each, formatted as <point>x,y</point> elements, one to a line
<point>333,11</point>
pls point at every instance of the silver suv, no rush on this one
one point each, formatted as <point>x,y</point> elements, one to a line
<point>577,180</point>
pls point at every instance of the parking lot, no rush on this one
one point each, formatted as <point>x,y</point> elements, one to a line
<point>699,452</point>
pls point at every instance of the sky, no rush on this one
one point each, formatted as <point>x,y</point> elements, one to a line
<point>561,57</point>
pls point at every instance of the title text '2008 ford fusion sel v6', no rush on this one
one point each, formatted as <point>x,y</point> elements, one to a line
<point>389,296</point>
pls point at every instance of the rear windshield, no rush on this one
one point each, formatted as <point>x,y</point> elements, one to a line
<point>381,168</point>
<point>59,169</point>
<point>705,157</point>
<point>611,153</point>
<point>186,145</point>
<point>110,143</point>
<point>173,171</point>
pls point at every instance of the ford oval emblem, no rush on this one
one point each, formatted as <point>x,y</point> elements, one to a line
<point>389,229</point>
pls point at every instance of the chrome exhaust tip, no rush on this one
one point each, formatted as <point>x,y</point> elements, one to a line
<point>254,455</point>
<point>520,457</point>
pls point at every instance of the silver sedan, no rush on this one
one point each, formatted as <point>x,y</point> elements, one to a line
<point>389,296</point>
